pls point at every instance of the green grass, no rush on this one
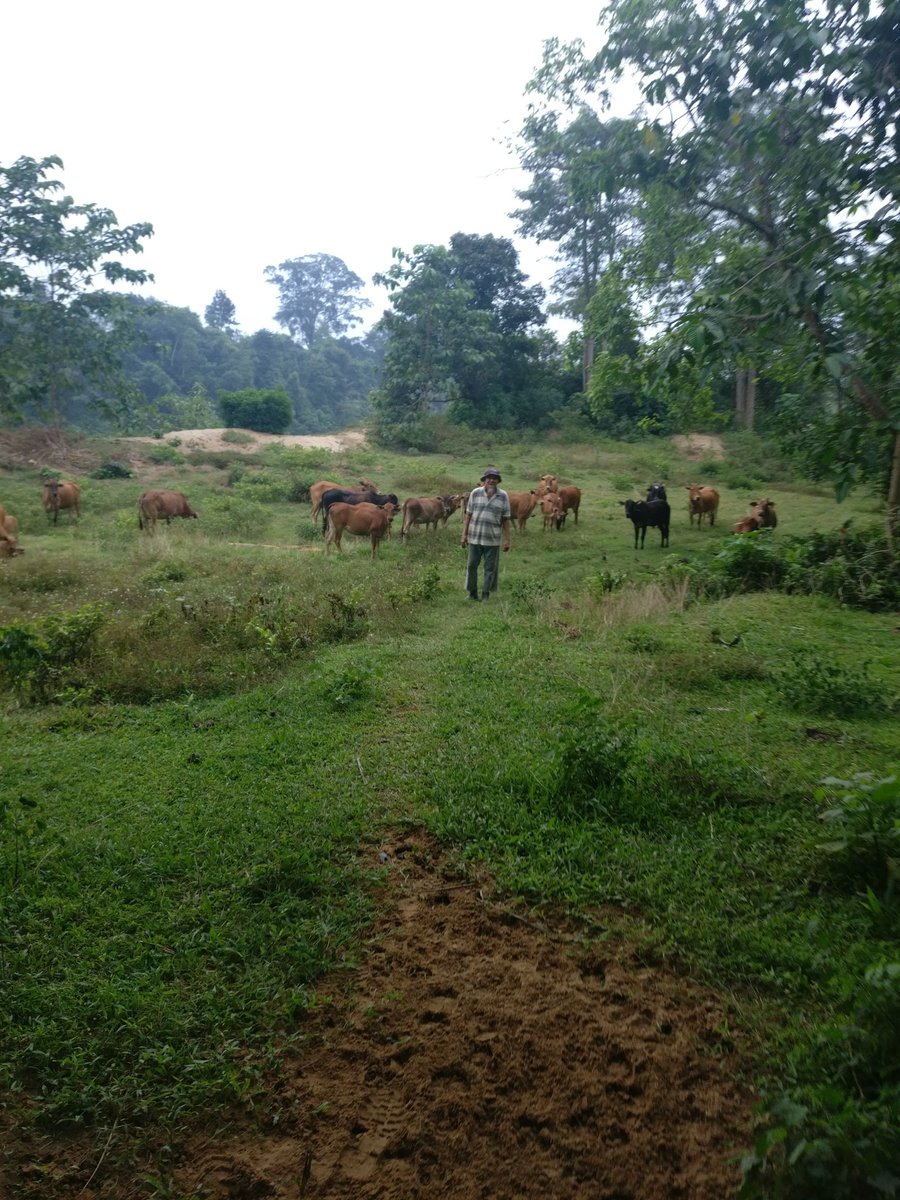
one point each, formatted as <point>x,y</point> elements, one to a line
<point>179,820</point>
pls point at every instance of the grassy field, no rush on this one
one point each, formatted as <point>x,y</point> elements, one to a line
<point>201,727</point>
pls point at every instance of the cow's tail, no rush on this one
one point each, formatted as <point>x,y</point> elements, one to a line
<point>324,520</point>
<point>404,531</point>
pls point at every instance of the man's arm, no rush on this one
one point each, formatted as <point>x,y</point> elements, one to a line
<point>506,528</point>
<point>465,533</point>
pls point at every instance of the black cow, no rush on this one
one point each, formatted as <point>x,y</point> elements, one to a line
<point>657,491</point>
<point>642,513</point>
<point>340,496</point>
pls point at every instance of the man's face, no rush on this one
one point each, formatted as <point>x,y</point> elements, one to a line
<point>490,484</point>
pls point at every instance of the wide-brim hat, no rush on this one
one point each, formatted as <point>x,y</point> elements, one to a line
<point>492,471</point>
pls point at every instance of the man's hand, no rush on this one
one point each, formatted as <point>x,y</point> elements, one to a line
<point>464,541</point>
<point>505,547</point>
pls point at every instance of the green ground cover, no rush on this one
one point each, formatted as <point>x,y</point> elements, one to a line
<point>199,733</point>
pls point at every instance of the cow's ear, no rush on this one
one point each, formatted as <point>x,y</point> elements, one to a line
<point>753,503</point>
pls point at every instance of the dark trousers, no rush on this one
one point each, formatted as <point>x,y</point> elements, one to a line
<point>490,556</point>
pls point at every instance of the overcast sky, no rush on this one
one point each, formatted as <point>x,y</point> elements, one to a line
<point>250,133</point>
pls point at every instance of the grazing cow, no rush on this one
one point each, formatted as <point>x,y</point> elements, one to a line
<point>521,506</point>
<point>154,504</point>
<point>570,498</point>
<point>347,496</point>
<point>702,501</point>
<point>424,510</point>
<point>551,507</point>
<point>9,536</point>
<point>363,520</point>
<point>61,495</point>
<point>646,513</point>
<point>318,490</point>
<point>657,491</point>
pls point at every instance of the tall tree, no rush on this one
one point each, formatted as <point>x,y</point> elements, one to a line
<point>59,331</point>
<point>318,296</point>
<point>775,139</point>
<point>580,196</point>
<point>221,314</point>
<point>461,333</point>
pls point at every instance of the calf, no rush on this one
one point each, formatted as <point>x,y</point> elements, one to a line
<point>570,499</point>
<point>702,502</point>
<point>551,507</point>
<point>645,513</point>
<point>61,495</point>
<point>425,510</point>
<point>521,506</point>
<point>363,520</point>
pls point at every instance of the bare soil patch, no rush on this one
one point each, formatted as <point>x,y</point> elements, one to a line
<point>212,439</point>
<point>700,445</point>
<point>473,1053</point>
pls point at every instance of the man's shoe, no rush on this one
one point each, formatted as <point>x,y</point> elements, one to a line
<point>473,595</point>
<point>485,597</point>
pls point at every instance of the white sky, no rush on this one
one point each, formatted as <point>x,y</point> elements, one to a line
<point>250,133</point>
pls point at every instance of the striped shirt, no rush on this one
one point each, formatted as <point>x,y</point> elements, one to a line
<point>487,516</point>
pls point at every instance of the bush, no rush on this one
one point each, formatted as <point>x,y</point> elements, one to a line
<point>263,410</point>
<point>237,437</point>
<point>267,487</point>
<point>112,470</point>
<point>236,516</point>
<point>811,683</point>
<point>864,822</point>
<point>37,658</point>
<point>166,454</point>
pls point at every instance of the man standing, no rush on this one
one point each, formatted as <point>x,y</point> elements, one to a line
<point>486,524</point>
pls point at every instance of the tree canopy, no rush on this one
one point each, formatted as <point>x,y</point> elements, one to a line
<point>318,296</point>
<point>60,327</point>
<point>462,337</point>
<point>764,171</point>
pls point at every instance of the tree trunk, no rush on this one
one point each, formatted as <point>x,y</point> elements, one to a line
<point>893,495</point>
<point>744,396</point>
<point>587,361</point>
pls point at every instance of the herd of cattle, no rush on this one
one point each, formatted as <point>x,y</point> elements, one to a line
<point>366,512</point>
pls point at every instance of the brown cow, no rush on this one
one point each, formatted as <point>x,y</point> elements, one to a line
<point>462,499</point>
<point>551,507</point>
<point>154,504</point>
<point>570,497</point>
<point>424,510</point>
<point>702,501</point>
<point>61,495</point>
<point>521,506</point>
<point>9,536</point>
<point>364,520</point>
<point>763,518</point>
<point>318,490</point>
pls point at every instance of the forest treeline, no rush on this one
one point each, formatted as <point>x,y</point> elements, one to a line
<point>729,252</point>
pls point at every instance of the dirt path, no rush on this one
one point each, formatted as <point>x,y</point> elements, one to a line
<point>476,1054</point>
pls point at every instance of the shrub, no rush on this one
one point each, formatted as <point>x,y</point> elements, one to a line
<point>263,410</point>
<point>36,658</point>
<point>236,516</point>
<point>811,683</point>
<point>751,562</point>
<point>112,470</point>
<point>237,437</point>
<point>267,487</point>
<point>864,822</point>
<point>165,454</point>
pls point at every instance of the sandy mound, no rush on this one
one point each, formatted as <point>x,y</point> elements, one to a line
<point>211,439</point>
<point>699,445</point>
